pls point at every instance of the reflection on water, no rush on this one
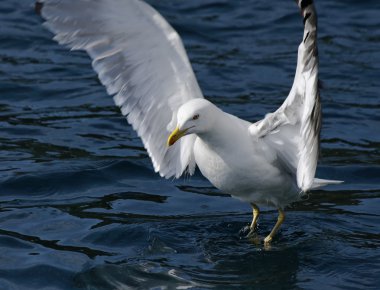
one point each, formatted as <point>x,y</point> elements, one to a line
<point>81,207</point>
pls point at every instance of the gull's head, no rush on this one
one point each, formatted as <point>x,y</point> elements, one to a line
<point>194,117</point>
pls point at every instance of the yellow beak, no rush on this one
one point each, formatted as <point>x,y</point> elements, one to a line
<point>176,135</point>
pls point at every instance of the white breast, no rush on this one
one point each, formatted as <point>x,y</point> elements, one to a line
<point>240,166</point>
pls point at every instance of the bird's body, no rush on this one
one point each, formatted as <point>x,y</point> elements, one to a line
<point>239,165</point>
<point>141,60</point>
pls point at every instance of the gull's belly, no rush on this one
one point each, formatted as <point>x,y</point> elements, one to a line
<point>246,174</point>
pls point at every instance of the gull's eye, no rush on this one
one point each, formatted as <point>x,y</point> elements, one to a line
<point>196,117</point>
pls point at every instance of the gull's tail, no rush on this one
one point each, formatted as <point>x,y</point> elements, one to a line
<point>323,182</point>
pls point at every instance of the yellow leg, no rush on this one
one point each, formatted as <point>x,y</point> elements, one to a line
<point>256,213</point>
<point>280,220</point>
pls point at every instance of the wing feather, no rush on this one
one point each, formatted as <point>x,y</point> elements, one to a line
<point>141,61</point>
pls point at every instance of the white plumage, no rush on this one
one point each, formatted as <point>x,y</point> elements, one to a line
<point>141,61</point>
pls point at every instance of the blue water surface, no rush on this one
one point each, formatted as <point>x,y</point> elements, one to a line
<point>80,205</point>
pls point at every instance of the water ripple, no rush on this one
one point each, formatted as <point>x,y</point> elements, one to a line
<point>81,207</point>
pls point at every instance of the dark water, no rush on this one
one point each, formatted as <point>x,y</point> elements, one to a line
<point>82,209</point>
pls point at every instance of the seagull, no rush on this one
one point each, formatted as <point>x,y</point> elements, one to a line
<point>142,62</point>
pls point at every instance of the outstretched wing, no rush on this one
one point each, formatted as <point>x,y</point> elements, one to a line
<point>294,129</point>
<point>141,61</point>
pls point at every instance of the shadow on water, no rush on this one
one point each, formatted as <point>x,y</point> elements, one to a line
<point>211,250</point>
<point>196,254</point>
<point>131,239</point>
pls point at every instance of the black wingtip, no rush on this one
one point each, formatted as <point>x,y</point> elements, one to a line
<point>306,17</point>
<point>305,3</point>
<point>38,7</point>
